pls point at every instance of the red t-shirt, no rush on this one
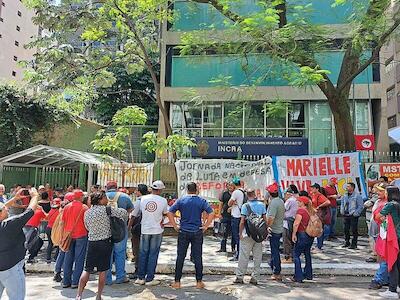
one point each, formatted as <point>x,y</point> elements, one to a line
<point>305,218</point>
<point>331,191</point>
<point>51,217</point>
<point>38,216</point>
<point>318,199</point>
<point>74,213</point>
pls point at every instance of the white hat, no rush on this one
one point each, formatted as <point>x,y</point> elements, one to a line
<point>41,187</point>
<point>158,185</point>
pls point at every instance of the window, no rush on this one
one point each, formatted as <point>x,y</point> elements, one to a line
<point>15,58</point>
<point>389,64</point>
<point>390,94</point>
<point>19,14</point>
<point>392,121</point>
<point>18,28</point>
<point>16,43</point>
<point>13,73</point>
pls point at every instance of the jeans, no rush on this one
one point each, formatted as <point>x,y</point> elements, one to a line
<point>287,244</point>
<point>275,263</point>
<point>196,240</point>
<point>302,246</point>
<point>247,246</point>
<point>13,281</point>
<point>60,261</point>
<point>381,275</point>
<point>394,276</point>
<point>351,222</point>
<point>228,231</point>
<point>74,259</point>
<point>149,249</point>
<point>332,227</point>
<point>325,235</point>
<point>235,235</point>
<point>50,245</point>
<point>135,239</point>
<point>119,257</point>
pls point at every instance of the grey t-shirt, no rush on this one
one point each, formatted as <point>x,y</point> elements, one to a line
<point>276,209</point>
<point>13,211</point>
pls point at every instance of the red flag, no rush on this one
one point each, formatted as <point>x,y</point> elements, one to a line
<point>388,249</point>
<point>365,142</point>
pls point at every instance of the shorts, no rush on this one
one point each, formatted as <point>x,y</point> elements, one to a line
<point>98,256</point>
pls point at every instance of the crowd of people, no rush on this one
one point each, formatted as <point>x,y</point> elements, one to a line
<point>82,231</point>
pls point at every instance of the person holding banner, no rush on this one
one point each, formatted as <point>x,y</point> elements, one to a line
<point>322,205</point>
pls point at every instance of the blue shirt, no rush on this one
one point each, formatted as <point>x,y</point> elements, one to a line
<point>256,206</point>
<point>191,207</point>
<point>124,201</point>
<point>352,204</point>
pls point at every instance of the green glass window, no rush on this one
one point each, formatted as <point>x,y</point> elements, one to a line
<point>320,134</point>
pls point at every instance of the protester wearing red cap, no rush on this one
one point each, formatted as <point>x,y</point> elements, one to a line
<point>323,207</point>
<point>275,216</point>
<point>51,217</point>
<point>73,217</point>
<point>332,195</point>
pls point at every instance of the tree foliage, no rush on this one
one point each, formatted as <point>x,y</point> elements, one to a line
<point>21,117</point>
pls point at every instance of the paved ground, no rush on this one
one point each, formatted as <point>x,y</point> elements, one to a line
<point>334,260</point>
<point>218,287</point>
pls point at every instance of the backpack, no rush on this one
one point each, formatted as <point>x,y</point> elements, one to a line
<point>255,225</point>
<point>314,227</point>
<point>31,238</point>
<point>245,198</point>
<point>57,230</point>
<point>117,227</point>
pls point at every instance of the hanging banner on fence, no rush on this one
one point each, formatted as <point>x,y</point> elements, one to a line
<point>365,142</point>
<point>303,171</point>
<point>212,175</point>
<point>376,170</point>
<point>126,175</point>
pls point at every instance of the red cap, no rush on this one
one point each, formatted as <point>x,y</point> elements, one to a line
<point>123,190</point>
<point>69,197</point>
<point>78,194</point>
<point>334,180</point>
<point>111,183</point>
<point>56,202</point>
<point>273,188</point>
<point>304,199</point>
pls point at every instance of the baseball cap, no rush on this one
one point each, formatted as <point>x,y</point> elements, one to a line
<point>381,186</point>
<point>289,191</point>
<point>69,197</point>
<point>41,187</point>
<point>56,203</point>
<point>303,199</point>
<point>236,181</point>
<point>273,188</point>
<point>158,185</point>
<point>110,184</point>
<point>334,180</point>
<point>316,185</point>
<point>78,194</point>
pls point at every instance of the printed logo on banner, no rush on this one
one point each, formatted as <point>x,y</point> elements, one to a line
<point>365,142</point>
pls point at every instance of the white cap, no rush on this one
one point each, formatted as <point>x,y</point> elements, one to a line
<point>41,187</point>
<point>158,185</point>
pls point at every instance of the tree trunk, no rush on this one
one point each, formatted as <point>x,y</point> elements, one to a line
<point>343,123</point>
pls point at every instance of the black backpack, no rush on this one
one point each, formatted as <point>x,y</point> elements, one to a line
<point>245,198</point>
<point>117,227</point>
<point>255,225</point>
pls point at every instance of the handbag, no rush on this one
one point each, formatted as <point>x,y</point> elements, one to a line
<point>66,240</point>
<point>117,227</point>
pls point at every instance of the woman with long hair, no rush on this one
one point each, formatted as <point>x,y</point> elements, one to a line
<point>302,241</point>
<point>392,208</point>
<point>98,254</point>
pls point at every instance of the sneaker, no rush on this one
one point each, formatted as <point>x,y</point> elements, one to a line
<point>374,285</point>
<point>57,277</point>
<point>234,259</point>
<point>140,281</point>
<point>123,280</point>
<point>287,261</point>
<point>48,261</point>
<point>371,260</point>
<point>346,245</point>
<point>31,261</point>
<point>238,280</point>
<point>276,277</point>
<point>176,285</point>
<point>200,285</point>
<point>133,276</point>
<point>65,286</point>
<point>221,250</point>
<point>74,286</point>
<point>154,282</point>
<point>389,295</point>
<point>253,281</point>
<point>353,247</point>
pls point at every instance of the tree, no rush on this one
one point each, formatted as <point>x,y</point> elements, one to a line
<point>114,143</point>
<point>21,117</point>
<point>85,39</point>
<point>282,30</point>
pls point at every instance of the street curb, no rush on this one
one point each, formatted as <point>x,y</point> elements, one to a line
<point>333,269</point>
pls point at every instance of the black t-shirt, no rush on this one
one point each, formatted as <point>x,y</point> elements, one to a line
<point>225,197</point>
<point>12,239</point>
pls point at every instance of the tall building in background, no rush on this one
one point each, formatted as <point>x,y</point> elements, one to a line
<point>16,30</point>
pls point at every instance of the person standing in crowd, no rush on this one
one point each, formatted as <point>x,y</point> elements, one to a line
<point>226,217</point>
<point>392,208</point>
<point>59,193</point>
<point>49,191</point>
<point>45,202</point>
<point>384,179</point>
<point>32,227</point>
<point>381,277</point>
<point>99,247</point>
<point>275,216</point>
<point>191,229</point>
<point>19,205</point>
<point>51,217</point>
<point>323,207</point>
<point>247,244</point>
<point>12,248</point>
<point>153,208</point>
<point>332,195</point>
<point>136,228</point>
<point>73,217</point>
<point>302,241</point>
<point>351,208</point>
<point>3,197</point>
<point>235,205</point>
<point>118,200</point>
<point>290,214</point>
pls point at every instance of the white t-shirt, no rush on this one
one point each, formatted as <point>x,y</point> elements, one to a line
<point>152,207</point>
<point>237,195</point>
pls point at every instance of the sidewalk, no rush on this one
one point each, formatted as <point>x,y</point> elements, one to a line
<point>334,260</point>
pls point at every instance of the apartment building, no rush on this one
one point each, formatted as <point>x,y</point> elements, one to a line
<point>16,30</point>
